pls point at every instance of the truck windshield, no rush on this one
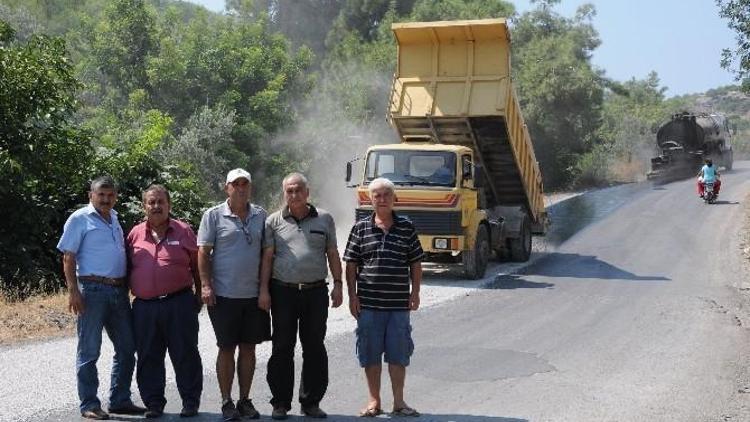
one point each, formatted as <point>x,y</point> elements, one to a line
<point>405,167</point>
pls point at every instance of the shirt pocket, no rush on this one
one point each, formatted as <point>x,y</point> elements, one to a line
<point>317,240</point>
<point>172,254</point>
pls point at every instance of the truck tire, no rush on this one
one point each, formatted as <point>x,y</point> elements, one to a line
<point>475,260</point>
<point>520,247</point>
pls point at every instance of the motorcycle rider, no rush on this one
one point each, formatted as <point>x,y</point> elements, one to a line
<point>709,173</point>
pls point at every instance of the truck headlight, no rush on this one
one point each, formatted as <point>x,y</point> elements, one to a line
<point>440,243</point>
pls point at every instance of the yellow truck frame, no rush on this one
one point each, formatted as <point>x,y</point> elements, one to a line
<point>453,104</point>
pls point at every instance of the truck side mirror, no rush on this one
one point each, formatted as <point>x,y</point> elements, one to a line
<point>348,171</point>
<point>466,172</point>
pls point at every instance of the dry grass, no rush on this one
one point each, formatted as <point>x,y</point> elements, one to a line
<point>36,318</point>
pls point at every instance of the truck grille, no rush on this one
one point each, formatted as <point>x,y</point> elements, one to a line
<point>427,222</point>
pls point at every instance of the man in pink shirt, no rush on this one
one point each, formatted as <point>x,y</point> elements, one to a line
<point>162,256</point>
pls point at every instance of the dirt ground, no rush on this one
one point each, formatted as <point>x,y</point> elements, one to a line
<point>36,318</point>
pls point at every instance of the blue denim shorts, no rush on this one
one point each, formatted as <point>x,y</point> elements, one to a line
<point>384,333</point>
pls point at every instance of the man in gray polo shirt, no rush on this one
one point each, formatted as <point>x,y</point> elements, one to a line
<point>229,248</point>
<point>299,240</point>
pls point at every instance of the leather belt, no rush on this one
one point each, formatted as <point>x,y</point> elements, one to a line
<point>300,286</point>
<point>168,295</point>
<point>117,282</point>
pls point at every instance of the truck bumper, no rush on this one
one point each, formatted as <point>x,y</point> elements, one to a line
<point>442,244</point>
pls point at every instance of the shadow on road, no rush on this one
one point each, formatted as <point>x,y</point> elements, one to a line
<point>427,417</point>
<point>515,281</point>
<point>726,203</point>
<point>213,417</point>
<point>582,266</point>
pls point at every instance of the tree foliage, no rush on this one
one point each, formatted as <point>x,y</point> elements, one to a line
<point>43,156</point>
<point>560,91</point>
<point>738,14</point>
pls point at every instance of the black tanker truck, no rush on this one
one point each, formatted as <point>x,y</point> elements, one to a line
<point>686,140</point>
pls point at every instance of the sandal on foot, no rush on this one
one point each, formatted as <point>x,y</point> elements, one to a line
<point>370,412</point>
<point>405,411</point>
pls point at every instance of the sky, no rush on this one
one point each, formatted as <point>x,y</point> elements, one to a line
<point>679,39</point>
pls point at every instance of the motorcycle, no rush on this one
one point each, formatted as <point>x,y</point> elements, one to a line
<point>709,197</point>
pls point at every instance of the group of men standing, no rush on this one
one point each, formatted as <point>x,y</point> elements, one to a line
<point>262,277</point>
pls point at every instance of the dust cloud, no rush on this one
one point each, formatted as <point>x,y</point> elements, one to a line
<point>328,137</point>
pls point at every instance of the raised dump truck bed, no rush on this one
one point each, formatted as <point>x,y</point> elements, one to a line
<point>453,86</point>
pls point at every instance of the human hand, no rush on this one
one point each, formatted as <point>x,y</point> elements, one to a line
<point>75,302</point>
<point>337,296</point>
<point>414,301</point>
<point>207,294</point>
<point>264,300</point>
<point>354,306</point>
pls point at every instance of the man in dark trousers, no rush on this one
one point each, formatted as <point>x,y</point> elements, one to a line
<point>299,240</point>
<point>163,270</point>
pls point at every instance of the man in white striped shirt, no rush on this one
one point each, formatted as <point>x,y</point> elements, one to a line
<point>383,275</point>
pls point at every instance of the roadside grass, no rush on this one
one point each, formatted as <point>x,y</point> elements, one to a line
<point>36,318</point>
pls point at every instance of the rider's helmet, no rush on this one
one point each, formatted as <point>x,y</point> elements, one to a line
<point>709,162</point>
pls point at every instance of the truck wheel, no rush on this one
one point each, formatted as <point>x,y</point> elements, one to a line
<point>475,260</point>
<point>520,247</point>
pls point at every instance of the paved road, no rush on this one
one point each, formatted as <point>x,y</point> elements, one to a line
<point>630,311</point>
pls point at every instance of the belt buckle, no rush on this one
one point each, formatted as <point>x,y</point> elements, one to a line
<point>162,296</point>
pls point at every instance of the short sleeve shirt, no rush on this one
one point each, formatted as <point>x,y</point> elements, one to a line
<point>160,268</point>
<point>300,245</point>
<point>99,245</point>
<point>709,173</point>
<point>383,260</point>
<point>235,258</point>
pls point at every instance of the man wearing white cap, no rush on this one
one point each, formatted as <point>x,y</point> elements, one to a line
<point>229,252</point>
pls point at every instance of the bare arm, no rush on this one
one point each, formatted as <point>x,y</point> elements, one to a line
<point>334,264</point>
<point>75,300</point>
<point>204,274</point>
<point>415,269</point>
<point>266,270</point>
<point>351,285</point>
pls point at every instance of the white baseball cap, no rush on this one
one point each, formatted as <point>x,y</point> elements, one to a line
<point>236,174</point>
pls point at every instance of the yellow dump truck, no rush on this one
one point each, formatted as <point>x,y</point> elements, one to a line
<point>464,170</point>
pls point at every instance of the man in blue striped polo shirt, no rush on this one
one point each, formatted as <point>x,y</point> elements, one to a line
<point>383,275</point>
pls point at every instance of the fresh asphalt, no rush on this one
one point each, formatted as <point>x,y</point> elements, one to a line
<point>629,311</point>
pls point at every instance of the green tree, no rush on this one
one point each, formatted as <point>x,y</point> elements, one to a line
<point>560,91</point>
<point>738,14</point>
<point>43,158</point>
<point>122,43</point>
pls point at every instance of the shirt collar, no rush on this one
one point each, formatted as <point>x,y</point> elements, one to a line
<point>285,213</point>
<point>396,217</point>
<point>170,227</point>
<point>227,212</point>
<point>91,209</point>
